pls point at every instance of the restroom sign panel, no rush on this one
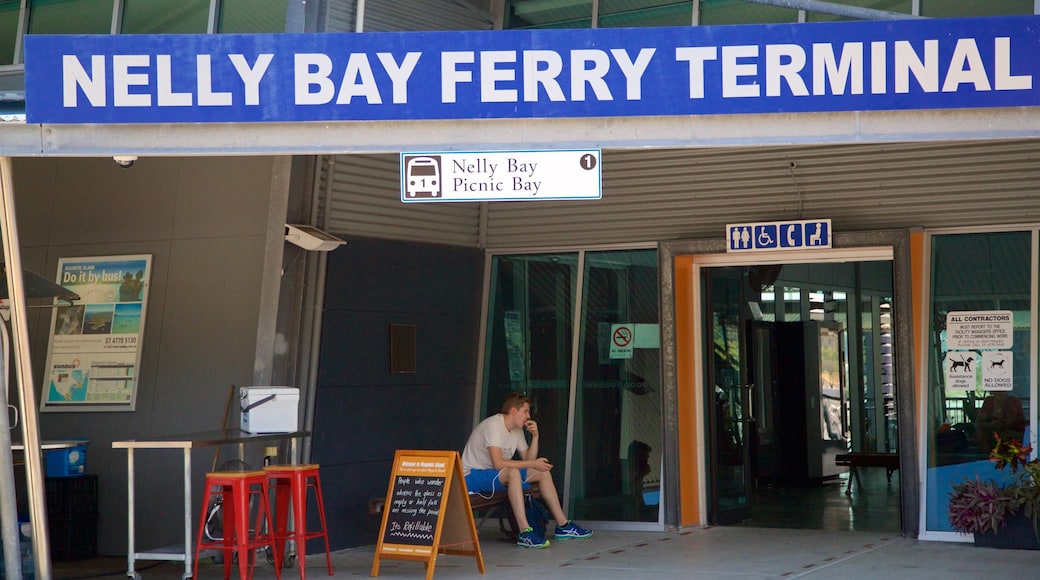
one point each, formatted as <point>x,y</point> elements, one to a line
<point>786,235</point>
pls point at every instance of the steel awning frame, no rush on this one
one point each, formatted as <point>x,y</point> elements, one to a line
<point>18,139</point>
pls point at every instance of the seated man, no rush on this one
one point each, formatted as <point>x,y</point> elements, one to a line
<point>489,465</point>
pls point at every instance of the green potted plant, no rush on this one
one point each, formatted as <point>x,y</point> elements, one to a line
<point>1001,514</point>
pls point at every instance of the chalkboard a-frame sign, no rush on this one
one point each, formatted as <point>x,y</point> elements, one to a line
<point>427,511</point>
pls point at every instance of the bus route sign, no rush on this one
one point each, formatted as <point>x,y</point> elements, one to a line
<point>501,176</point>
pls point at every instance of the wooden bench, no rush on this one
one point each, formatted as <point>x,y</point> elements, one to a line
<point>496,504</point>
<point>855,460</point>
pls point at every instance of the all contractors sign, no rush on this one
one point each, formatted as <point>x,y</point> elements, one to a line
<point>697,70</point>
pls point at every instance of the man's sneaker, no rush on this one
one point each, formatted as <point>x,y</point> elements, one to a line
<point>570,531</point>
<point>529,539</point>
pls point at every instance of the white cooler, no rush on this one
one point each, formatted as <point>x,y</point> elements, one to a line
<point>269,409</point>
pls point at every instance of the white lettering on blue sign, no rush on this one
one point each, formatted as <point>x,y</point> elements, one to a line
<point>791,235</point>
<point>844,66</point>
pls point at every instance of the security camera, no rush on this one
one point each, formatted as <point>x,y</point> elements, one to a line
<point>311,238</point>
<point>125,161</point>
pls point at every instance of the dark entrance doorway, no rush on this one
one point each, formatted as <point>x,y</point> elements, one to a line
<point>799,371</point>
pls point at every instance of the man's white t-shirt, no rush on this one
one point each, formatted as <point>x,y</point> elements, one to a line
<point>491,432</point>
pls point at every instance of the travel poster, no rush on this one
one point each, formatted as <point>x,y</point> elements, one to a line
<point>94,352</point>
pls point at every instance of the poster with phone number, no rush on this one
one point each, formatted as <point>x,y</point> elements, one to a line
<point>94,352</point>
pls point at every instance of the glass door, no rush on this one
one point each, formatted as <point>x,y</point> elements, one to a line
<point>730,423</point>
<point>784,396</point>
<point>579,334</point>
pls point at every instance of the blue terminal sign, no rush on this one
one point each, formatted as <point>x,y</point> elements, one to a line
<point>698,70</point>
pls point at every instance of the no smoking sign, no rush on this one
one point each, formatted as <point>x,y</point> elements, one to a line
<point>621,336</point>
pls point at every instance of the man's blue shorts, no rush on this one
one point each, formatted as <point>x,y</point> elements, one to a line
<point>486,481</point>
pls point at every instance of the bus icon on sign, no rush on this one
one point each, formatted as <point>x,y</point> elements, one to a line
<point>423,175</point>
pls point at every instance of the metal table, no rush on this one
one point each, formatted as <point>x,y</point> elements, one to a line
<point>185,442</point>
<point>55,444</point>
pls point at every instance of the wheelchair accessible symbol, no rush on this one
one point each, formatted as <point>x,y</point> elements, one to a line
<point>765,237</point>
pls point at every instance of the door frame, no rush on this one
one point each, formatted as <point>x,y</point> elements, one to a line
<point>682,330</point>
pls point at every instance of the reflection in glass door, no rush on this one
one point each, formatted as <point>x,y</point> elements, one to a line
<point>798,369</point>
<point>598,398</point>
<point>530,330</point>
<point>729,422</point>
<point>616,460</point>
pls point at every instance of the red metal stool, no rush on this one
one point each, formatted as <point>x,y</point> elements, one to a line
<point>237,489</point>
<point>290,484</point>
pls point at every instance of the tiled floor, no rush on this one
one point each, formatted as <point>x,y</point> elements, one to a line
<point>722,553</point>
<point>874,507</point>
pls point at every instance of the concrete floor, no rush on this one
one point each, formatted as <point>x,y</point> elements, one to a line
<point>725,553</point>
<point>805,532</point>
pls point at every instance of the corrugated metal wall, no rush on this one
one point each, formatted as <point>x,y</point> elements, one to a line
<point>340,16</point>
<point>660,194</point>
<point>365,198</point>
<point>691,193</point>
<point>366,201</point>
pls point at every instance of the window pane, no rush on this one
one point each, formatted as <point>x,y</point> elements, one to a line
<point>150,17</point>
<point>964,8</point>
<point>901,6</point>
<point>621,13</point>
<point>974,272</point>
<point>530,325</point>
<point>70,16</point>
<point>740,12</point>
<point>253,16</point>
<point>616,466</point>
<point>9,10</point>
<point>548,14</point>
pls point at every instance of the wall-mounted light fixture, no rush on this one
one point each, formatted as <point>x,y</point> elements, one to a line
<point>125,161</point>
<point>311,238</point>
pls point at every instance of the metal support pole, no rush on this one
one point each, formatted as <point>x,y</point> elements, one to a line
<point>23,367</point>
<point>8,499</point>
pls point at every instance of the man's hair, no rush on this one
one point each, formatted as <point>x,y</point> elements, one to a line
<point>514,401</point>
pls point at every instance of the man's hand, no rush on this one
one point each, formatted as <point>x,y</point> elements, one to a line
<point>541,464</point>
<point>532,427</point>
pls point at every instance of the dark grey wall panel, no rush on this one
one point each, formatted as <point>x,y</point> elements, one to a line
<point>363,411</point>
<point>205,222</point>
<point>353,336</point>
<point>366,424</point>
